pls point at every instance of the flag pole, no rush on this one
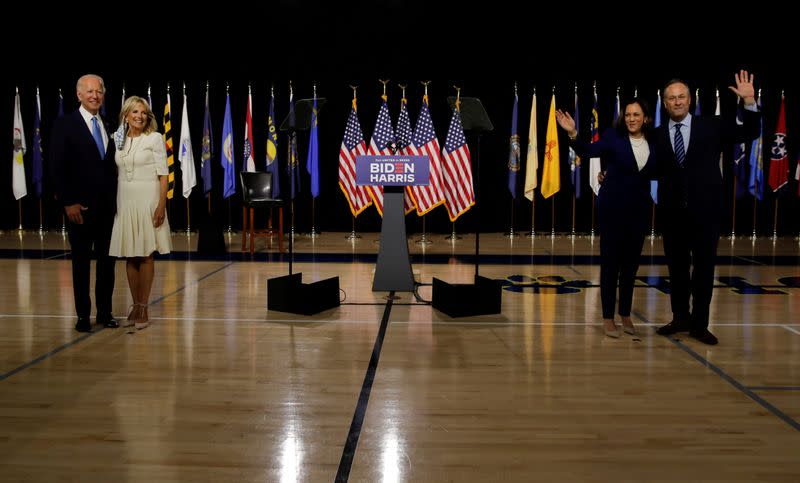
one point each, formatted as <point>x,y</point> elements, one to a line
<point>291,211</point>
<point>653,223</point>
<point>188,208</point>
<point>169,200</point>
<point>572,235</point>
<point>733,216</point>
<point>208,195</point>
<point>775,222</point>
<point>19,205</point>
<point>453,236</point>
<point>575,167</point>
<point>313,234</point>
<point>424,240</point>
<point>755,206</point>
<point>511,233</point>
<point>353,235</point>
<point>533,192</point>
<point>553,196</point>
<point>63,224</point>
<point>41,217</point>
<point>188,218</point>
<point>230,228</point>
<point>591,232</point>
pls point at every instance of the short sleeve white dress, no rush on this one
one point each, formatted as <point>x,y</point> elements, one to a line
<point>140,161</point>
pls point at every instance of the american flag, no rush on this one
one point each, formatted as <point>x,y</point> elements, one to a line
<point>403,129</point>
<point>424,143</point>
<point>352,145</point>
<point>457,170</point>
<point>403,148</point>
<point>381,136</point>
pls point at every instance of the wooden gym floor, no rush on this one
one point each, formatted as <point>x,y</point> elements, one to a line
<point>379,390</point>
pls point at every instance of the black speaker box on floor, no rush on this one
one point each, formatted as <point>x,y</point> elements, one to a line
<point>290,294</point>
<point>211,241</point>
<point>464,299</point>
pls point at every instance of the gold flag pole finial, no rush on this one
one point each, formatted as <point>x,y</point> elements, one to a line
<point>384,82</point>
<point>458,98</point>
<point>354,96</point>
<point>425,95</point>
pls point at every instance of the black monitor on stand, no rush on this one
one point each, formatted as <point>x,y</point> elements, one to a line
<point>484,295</point>
<point>288,293</point>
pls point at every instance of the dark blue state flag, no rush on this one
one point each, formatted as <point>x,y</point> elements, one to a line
<point>513,152</point>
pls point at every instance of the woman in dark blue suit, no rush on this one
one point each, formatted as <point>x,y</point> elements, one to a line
<point>624,202</point>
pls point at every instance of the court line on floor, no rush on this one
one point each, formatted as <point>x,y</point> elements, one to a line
<point>349,450</point>
<point>80,339</point>
<point>48,354</point>
<point>774,388</point>
<point>786,326</point>
<point>730,380</point>
<point>196,282</point>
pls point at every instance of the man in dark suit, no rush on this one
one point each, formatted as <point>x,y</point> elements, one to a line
<point>85,179</point>
<point>690,198</point>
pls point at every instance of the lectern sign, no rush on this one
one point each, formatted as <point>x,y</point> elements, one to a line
<point>392,170</point>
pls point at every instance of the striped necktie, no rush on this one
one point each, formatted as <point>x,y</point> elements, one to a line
<point>680,151</point>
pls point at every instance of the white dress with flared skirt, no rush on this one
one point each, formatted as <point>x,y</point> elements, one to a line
<point>140,162</point>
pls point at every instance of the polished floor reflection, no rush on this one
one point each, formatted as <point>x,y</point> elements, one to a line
<point>220,389</point>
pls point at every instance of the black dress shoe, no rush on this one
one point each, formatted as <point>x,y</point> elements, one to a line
<point>83,325</point>
<point>704,336</point>
<point>110,323</point>
<point>677,325</point>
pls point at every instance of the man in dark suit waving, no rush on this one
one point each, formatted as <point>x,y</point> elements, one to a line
<point>690,198</point>
<point>85,179</point>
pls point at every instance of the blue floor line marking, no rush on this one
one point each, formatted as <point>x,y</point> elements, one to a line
<point>730,380</point>
<point>774,388</point>
<point>73,342</point>
<point>439,258</point>
<point>49,354</point>
<point>350,446</point>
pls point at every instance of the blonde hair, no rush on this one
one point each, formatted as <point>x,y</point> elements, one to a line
<point>151,125</point>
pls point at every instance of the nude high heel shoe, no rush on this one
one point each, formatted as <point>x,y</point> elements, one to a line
<point>613,333</point>
<point>142,320</point>
<point>628,327</point>
<point>134,312</point>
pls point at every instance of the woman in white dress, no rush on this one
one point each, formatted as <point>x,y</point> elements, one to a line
<point>140,226</point>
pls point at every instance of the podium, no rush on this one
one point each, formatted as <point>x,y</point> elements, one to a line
<point>395,172</point>
<point>288,293</point>
<point>484,296</point>
<point>393,268</point>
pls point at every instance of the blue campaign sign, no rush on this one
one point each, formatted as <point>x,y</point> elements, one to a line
<point>392,170</point>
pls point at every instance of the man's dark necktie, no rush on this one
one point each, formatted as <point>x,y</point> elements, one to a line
<point>680,151</point>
